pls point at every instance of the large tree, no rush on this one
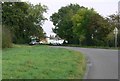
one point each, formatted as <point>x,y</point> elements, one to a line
<point>80,25</point>
<point>23,20</point>
<point>63,23</point>
<point>90,27</point>
<point>114,22</point>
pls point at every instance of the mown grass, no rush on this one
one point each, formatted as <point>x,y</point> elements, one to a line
<point>42,62</point>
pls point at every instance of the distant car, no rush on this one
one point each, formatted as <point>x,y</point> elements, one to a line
<point>33,43</point>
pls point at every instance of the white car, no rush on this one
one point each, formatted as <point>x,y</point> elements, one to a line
<point>33,43</point>
<point>56,42</point>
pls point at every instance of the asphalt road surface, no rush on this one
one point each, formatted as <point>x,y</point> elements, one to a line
<point>103,63</point>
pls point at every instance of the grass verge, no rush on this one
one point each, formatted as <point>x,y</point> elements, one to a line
<point>99,47</point>
<point>42,62</point>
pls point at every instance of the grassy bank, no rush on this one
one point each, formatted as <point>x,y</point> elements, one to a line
<point>42,62</point>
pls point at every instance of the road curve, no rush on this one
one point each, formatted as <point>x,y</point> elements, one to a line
<point>104,62</point>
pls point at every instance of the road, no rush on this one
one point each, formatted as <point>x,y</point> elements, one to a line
<point>103,62</point>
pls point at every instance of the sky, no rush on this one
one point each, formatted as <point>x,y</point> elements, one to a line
<point>103,7</point>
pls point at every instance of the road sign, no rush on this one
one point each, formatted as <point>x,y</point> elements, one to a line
<point>115,31</point>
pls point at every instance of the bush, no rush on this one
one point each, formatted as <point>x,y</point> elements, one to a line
<point>6,38</point>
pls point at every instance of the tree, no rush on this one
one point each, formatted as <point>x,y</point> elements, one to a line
<point>113,20</point>
<point>23,20</point>
<point>90,27</point>
<point>63,23</point>
<point>80,25</point>
<point>6,38</point>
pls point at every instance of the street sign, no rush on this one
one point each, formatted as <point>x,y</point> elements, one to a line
<point>115,31</point>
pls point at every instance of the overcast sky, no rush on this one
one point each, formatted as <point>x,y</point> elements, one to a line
<point>103,7</point>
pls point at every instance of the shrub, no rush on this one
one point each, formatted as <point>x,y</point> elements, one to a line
<point>6,38</point>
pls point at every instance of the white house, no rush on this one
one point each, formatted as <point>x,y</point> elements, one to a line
<point>55,40</point>
<point>52,39</point>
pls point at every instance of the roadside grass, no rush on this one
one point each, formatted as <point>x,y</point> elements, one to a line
<point>99,47</point>
<point>42,62</point>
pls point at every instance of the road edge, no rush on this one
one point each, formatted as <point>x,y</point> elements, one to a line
<point>88,65</point>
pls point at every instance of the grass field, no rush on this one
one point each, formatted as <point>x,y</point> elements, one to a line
<point>42,62</point>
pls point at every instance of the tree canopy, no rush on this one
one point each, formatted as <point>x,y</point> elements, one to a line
<point>80,25</point>
<point>114,22</point>
<point>63,22</point>
<point>23,20</point>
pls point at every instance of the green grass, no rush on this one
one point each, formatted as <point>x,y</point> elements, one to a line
<point>99,47</point>
<point>42,62</point>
